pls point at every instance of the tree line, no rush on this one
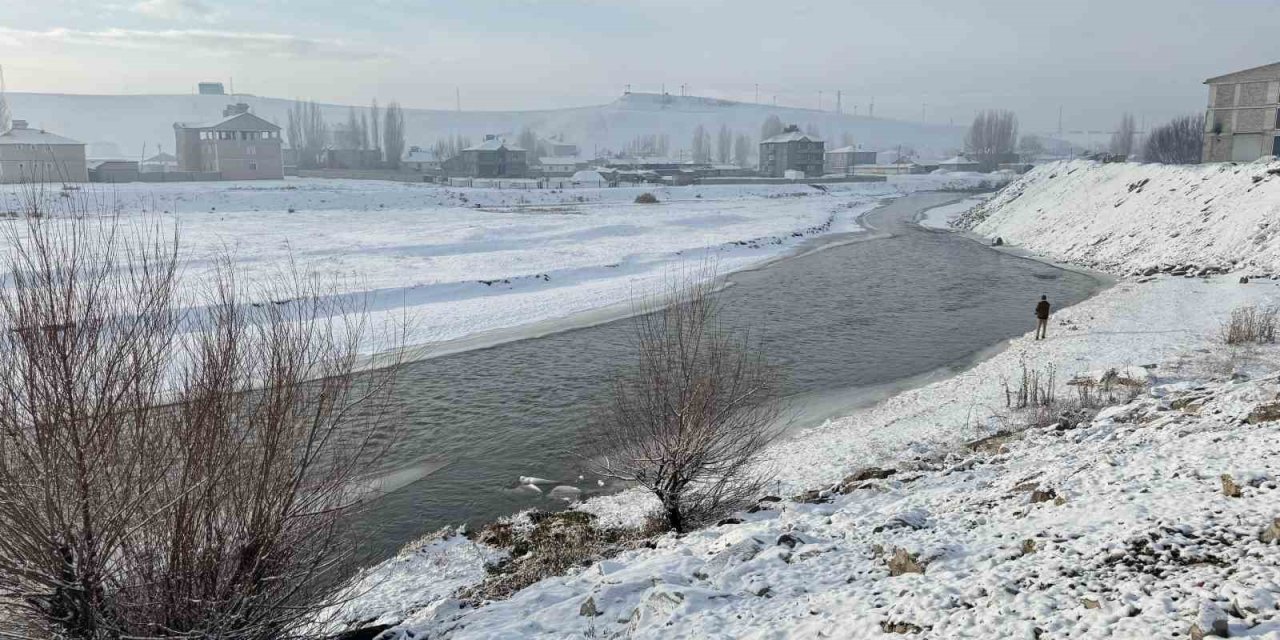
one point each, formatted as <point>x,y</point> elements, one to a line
<point>377,129</point>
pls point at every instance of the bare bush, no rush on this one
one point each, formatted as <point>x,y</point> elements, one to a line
<point>164,471</point>
<point>1035,388</point>
<point>646,198</point>
<point>1251,324</point>
<point>1122,138</point>
<point>692,413</point>
<point>1180,141</point>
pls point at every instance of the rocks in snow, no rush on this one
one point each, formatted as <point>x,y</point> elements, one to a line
<point>566,493</point>
<point>1043,495</point>
<point>1211,622</point>
<point>588,608</point>
<point>1266,412</point>
<point>1271,534</point>
<point>859,478</point>
<point>904,562</point>
<point>1229,487</point>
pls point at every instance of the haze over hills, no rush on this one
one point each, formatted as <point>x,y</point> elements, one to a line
<point>132,121</point>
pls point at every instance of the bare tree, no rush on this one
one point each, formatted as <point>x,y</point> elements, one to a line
<point>772,126</point>
<point>689,417</point>
<point>742,150</point>
<point>528,140</point>
<point>846,139</point>
<point>812,130</point>
<point>724,145</point>
<point>169,472</point>
<point>1029,147</point>
<point>6,116</point>
<point>393,135</point>
<point>375,129</point>
<point>992,137</point>
<point>1122,138</point>
<point>700,147</point>
<point>308,133</point>
<point>1180,141</point>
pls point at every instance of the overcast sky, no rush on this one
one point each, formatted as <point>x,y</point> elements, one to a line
<point>936,60</point>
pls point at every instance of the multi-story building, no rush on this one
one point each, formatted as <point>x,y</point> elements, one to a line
<point>1244,115</point>
<point>35,155</point>
<point>240,146</point>
<point>844,159</point>
<point>791,150</point>
<point>493,158</point>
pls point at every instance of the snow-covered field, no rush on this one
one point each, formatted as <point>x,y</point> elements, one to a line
<point>460,262</point>
<point>1117,527</point>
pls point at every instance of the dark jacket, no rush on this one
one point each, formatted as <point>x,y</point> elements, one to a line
<point>1042,310</point>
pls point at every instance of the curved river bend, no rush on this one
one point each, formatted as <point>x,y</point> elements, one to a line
<point>859,312</point>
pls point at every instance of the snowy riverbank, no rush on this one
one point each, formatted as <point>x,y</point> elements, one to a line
<point>1115,526</point>
<point>469,263</point>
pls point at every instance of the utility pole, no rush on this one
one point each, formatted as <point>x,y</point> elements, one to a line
<point>775,99</point>
<point>1059,121</point>
<point>871,111</point>
<point>819,100</point>
<point>457,94</point>
<point>757,93</point>
<point>839,107</point>
<point>924,110</point>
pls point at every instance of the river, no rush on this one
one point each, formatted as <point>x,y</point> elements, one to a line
<point>852,317</point>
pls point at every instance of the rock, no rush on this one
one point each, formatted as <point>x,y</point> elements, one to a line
<point>1150,271</point>
<point>998,242</point>
<point>814,496</point>
<point>915,519</point>
<point>904,562</point>
<point>1266,412</point>
<point>1271,534</point>
<point>1229,487</point>
<point>1043,495</point>
<point>588,608</point>
<point>1090,603</point>
<point>736,554</point>
<point>769,499</point>
<point>789,541</point>
<point>655,608</point>
<point>1244,279</point>
<point>1211,622</point>
<point>365,633</point>
<point>900,627</point>
<point>728,521</point>
<point>1028,547</point>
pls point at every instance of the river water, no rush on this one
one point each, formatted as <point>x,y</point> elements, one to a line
<point>855,313</point>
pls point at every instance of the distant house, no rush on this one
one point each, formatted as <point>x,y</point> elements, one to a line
<point>1243,121</point>
<point>557,148</point>
<point>160,163</point>
<point>959,163</point>
<point>240,146</point>
<point>211,89</point>
<point>558,166</point>
<point>419,160</point>
<point>36,155</point>
<point>493,158</point>
<point>844,159</point>
<point>791,150</point>
<point>113,171</point>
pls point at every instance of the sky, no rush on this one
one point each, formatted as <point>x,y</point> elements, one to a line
<point>937,61</point>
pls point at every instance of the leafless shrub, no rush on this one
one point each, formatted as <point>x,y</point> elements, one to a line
<point>646,198</point>
<point>1035,388</point>
<point>691,414</point>
<point>167,472</point>
<point>992,137</point>
<point>1250,324</point>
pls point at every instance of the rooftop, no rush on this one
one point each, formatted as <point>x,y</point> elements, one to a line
<point>22,134</point>
<point>792,134</point>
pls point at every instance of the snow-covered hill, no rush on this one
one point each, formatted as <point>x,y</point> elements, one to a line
<point>130,121</point>
<point>1136,218</point>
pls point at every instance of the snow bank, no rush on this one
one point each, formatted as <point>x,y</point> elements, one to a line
<point>1133,218</point>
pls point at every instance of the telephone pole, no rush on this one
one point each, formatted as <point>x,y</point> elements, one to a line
<point>839,107</point>
<point>757,93</point>
<point>458,98</point>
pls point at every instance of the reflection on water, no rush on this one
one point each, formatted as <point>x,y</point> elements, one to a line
<point>841,319</point>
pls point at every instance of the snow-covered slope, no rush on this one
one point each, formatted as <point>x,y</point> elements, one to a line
<point>1130,218</point>
<point>130,121</point>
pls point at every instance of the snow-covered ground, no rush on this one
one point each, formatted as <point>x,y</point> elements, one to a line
<point>1118,527</point>
<point>942,217</point>
<point>459,262</point>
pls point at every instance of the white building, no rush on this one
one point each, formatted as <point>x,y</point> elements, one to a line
<point>35,155</point>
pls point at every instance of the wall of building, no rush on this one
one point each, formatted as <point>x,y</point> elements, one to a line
<point>42,163</point>
<point>1242,118</point>
<point>776,158</point>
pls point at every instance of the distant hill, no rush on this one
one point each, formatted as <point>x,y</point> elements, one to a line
<point>130,121</point>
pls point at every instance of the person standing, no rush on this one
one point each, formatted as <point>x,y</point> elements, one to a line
<point>1042,318</point>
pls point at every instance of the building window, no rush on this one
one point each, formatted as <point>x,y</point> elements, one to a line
<point>253,166</point>
<point>251,150</point>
